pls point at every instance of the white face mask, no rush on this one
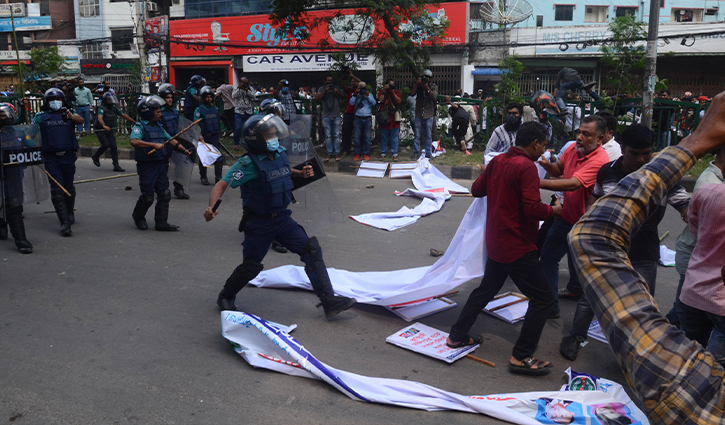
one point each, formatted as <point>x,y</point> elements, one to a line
<point>55,104</point>
<point>272,145</point>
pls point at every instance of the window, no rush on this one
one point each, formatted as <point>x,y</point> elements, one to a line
<point>93,50</point>
<point>687,15</point>
<point>215,8</point>
<point>662,4</point>
<point>625,11</point>
<point>44,7</point>
<point>89,8</point>
<point>595,14</point>
<point>539,20</point>
<point>563,12</point>
<point>121,39</point>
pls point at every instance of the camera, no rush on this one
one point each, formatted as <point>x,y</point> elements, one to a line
<point>328,85</point>
<point>64,113</point>
<point>345,69</point>
<point>424,79</point>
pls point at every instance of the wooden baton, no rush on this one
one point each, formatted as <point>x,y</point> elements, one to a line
<point>178,134</point>
<point>54,180</point>
<point>480,360</point>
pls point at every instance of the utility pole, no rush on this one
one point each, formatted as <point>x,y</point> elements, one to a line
<point>650,63</point>
<point>21,85</point>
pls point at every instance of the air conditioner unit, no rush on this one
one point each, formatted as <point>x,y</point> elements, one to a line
<point>152,7</point>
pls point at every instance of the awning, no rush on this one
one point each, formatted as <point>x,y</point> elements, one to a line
<point>486,71</point>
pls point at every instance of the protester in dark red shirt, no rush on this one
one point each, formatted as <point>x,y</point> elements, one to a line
<point>349,117</point>
<point>511,184</point>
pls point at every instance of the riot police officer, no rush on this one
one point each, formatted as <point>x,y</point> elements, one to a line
<point>106,127</point>
<point>11,184</point>
<point>192,100</point>
<point>210,131</point>
<point>170,122</point>
<point>147,135</point>
<point>60,144</point>
<point>265,177</point>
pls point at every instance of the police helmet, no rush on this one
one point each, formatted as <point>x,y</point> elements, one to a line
<point>198,81</point>
<point>543,102</point>
<point>8,116</point>
<point>206,90</point>
<point>110,99</point>
<point>52,94</point>
<point>260,128</point>
<point>147,105</point>
<point>166,89</point>
<point>427,73</point>
<point>272,106</point>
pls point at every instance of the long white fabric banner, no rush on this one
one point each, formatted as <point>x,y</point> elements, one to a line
<point>464,260</point>
<point>266,345</point>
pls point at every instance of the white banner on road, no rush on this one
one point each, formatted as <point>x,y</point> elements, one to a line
<point>268,346</point>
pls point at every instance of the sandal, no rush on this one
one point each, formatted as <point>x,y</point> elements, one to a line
<point>527,367</point>
<point>337,158</point>
<point>466,341</point>
<point>327,158</point>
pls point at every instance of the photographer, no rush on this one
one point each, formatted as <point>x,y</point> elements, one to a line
<point>330,96</point>
<point>425,112</point>
<point>389,98</point>
<point>287,97</point>
<point>348,120</point>
<point>363,103</point>
<point>243,96</point>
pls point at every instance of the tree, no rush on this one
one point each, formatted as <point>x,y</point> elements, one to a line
<point>405,38</point>
<point>625,54</point>
<point>511,71</point>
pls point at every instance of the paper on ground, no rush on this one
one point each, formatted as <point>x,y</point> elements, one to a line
<point>464,260</point>
<point>207,154</point>
<point>667,256</point>
<point>429,341</point>
<point>432,202</point>
<point>266,346</point>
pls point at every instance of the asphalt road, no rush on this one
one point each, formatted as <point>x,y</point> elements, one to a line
<point>114,325</point>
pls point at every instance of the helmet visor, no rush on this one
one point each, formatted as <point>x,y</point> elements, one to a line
<point>271,127</point>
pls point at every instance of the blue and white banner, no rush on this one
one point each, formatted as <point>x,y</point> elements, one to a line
<point>33,23</point>
<point>268,345</point>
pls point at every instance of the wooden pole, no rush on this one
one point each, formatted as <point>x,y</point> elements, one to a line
<point>178,134</point>
<point>105,178</point>
<point>54,180</point>
<point>480,360</point>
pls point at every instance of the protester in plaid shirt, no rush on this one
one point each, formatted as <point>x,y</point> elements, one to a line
<point>675,378</point>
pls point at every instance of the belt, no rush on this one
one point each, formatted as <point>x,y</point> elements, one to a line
<point>61,153</point>
<point>363,118</point>
<point>81,106</point>
<point>270,215</point>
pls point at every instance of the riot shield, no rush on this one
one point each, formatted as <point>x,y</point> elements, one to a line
<point>298,145</point>
<point>315,206</point>
<point>181,166</point>
<point>24,180</point>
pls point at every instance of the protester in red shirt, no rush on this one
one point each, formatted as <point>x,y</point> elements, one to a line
<point>511,185</point>
<point>348,117</point>
<point>577,169</point>
<point>389,98</point>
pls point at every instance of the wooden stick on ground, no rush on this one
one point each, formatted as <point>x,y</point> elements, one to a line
<point>54,180</point>
<point>178,134</point>
<point>664,236</point>
<point>480,360</point>
<point>106,178</point>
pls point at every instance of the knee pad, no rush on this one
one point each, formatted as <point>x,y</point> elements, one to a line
<point>56,192</point>
<point>252,268</point>
<point>146,201</point>
<point>313,248</point>
<point>165,196</point>
<point>72,191</point>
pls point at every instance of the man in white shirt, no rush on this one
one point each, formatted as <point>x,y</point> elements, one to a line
<point>610,146</point>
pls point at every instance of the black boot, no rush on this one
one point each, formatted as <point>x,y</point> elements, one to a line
<point>70,202</point>
<point>118,168</point>
<point>95,159</point>
<point>320,280</point>
<point>3,230</point>
<point>245,272</point>
<point>57,197</point>
<point>139,212</point>
<point>202,174</point>
<point>161,215</point>
<point>278,247</point>
<point>179,191</point>
<point>114,158</point>
<point>17,228</point>
<point>218,166</point>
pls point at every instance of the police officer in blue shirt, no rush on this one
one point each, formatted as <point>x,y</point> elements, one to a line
<point>11,181</point>
<point>265,177</point>
<point>170,122</point>
<point>147,135</point>
<point>210,131</point>
<point>60,144</point>
<point>192,100</point>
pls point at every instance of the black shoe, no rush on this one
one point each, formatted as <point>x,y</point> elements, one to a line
<point>3,230</point>
<point>336,305</point>
<point>429,155</point>
<point>96,162</point>
<point>569,347</point>
<point>279,247</point>
<point>180,194</point>
<point>204,181</point>
<point>24,246</point>
<point>140,223</point>
<point>226,303</point>
<point>555,313</point>
<point>588,86</point>
<point>65,230</point>
<point>565,293</point>
<point>166,227</point>
<point>118,168</point>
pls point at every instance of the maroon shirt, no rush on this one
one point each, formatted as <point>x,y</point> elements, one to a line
<point>350,109</point>
<point>511,183</point>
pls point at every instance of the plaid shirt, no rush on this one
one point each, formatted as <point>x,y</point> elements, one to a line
<point>677,381</point>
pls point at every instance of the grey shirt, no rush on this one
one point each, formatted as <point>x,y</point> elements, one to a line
<point>426,104</point>
<point>243,100</point>
<point>331,103</point>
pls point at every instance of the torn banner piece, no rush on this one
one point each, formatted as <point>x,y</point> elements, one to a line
<point>432,202</point>
<point>464,260</point>
<point>266,345</point>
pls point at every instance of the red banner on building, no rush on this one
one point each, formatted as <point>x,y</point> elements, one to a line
<point>244,35</point>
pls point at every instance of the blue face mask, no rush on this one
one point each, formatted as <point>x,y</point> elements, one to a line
<point>285,90</point>
<point>363,90</point>
<point>272,145</point>
<point>55,105</point>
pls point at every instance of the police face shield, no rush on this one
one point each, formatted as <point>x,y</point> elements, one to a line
<point>181,166</point>
<point>24,181</point>
<point>298,144</point>
<point>110,100</point>
<point>272,127</point>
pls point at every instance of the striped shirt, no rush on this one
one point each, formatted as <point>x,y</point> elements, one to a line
<point>501,140</point>
<point>703,288</point>
<point>677,381</point>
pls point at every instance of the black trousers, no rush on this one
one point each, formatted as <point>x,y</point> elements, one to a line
<point>228,119</point>
<point>527,274</point>
<point>460,126</point>
<point>348,121</point>
<point>108,141</point>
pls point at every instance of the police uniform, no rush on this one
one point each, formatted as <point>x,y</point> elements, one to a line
<point>107,138</point>
<point>59,155</point>
<point>170,122</point>
<point>152,173</point>
<point>190,104</point>
<point>12,138</point>
<point>266,186</point>
<point>211,131</point>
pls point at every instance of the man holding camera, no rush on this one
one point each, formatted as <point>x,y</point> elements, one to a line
<point>425,112</point>
<point>389,99</point>
<point>331,120</point>
<point>348,119</point>
<point>287,97</point>
<point>363,103</point>
<point>243,96</point>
